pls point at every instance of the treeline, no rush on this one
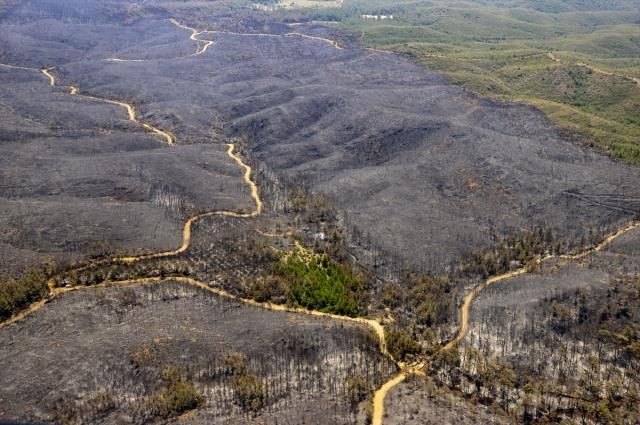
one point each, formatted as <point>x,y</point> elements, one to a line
<point>424,307</point>
<point>18,294</point>
<point>514,251</point>
<point>125,271</point>
<point>522,249</point>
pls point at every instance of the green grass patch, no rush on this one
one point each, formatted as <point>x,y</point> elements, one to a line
<point>320,284</point>
<point>316,283</point>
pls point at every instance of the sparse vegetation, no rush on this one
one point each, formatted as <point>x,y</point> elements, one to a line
<point>569,351</point>
<point>68,411</point>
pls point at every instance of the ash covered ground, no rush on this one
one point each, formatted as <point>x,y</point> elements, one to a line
<point>423,170</point>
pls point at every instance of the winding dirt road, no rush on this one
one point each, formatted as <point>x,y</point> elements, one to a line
<point>329,41</point>
<point>168,137</point>
<point>375,325</point>
<point>603,72</point>
<point>186,231</point>
<point>201,49</point>
<point>377,417</point>
<point>125,60</point>
<point>204,44</point>
<point>56,291</point>
<point>597,70</point>
<point>49,75</point>
<point>24,68</point>
<point>194,36</point>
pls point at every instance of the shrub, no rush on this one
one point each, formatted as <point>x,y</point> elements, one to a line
<point>127,297</point>
<point>65,411</point>
<point>249,391</point>
<point>401,345</point>
<point>236,363</point>
<point>180,395</point>
<point>269,288</point>
<point>431,296</point>
<point>101,402</point>
<point>357,389</point>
